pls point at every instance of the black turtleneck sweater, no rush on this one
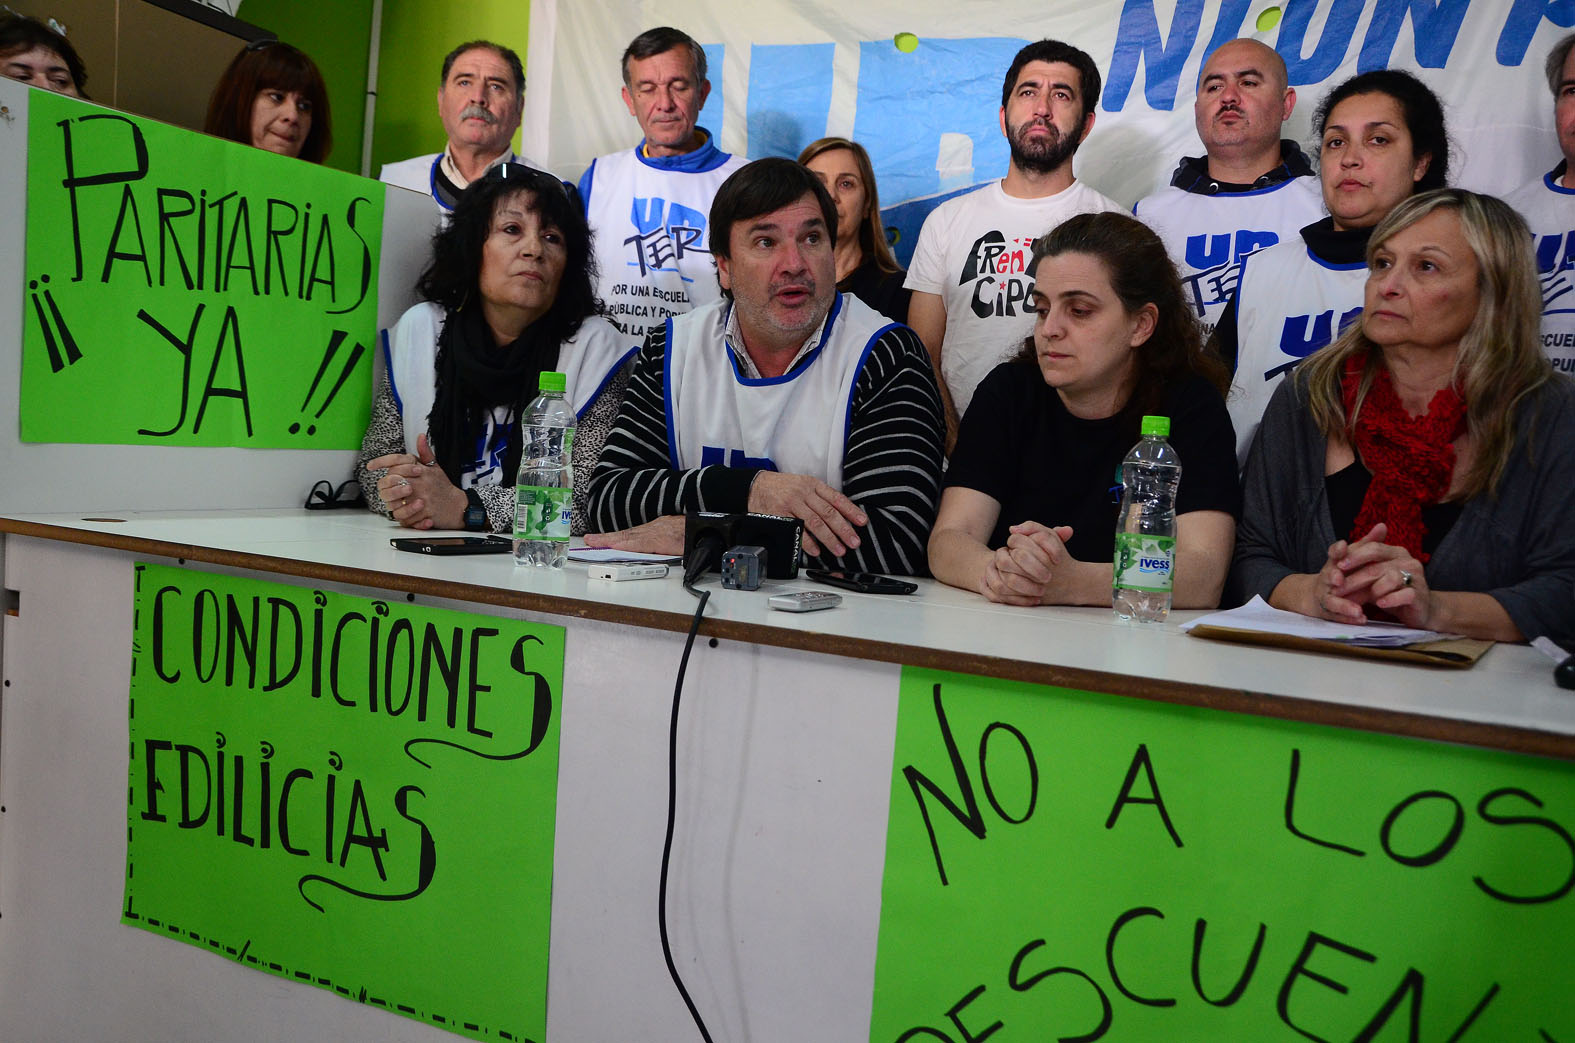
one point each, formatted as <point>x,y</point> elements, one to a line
<point>1326,243</point>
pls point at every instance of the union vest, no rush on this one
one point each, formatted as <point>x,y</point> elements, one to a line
<point>1289,305</point>
<point>796,423</point>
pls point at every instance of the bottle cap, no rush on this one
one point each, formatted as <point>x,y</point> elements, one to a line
<point>557,382</point>
<point>1154,426</point>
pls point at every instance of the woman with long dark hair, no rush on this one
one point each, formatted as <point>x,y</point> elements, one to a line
<point>272,97</point>
<point>507,296</point>
<point>1028,515</point>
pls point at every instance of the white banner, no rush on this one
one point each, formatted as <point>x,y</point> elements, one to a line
<point>786,73</point>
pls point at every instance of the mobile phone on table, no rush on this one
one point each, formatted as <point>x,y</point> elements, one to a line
<point>863,582</point>
<point>453,544</point>
<point>804,601</point>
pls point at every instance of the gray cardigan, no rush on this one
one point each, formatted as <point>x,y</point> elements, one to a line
<point>1518,546</point>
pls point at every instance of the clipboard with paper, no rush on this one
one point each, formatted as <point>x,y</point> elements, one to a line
<point>1256,623</point>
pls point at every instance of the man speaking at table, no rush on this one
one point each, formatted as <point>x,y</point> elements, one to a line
<point>785,397</point>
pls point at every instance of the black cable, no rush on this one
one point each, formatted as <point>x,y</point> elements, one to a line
<point>701,558</point>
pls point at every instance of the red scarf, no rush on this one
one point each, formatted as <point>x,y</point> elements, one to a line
<point>1411,458</point>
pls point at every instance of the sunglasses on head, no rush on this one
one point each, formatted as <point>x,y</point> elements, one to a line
<point>526,176</point>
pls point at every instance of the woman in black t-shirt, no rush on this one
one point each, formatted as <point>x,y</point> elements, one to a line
<point>1029,511</point>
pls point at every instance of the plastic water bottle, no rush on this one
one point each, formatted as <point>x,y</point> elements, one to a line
<point>1146,527</point>
<point>544,489</point>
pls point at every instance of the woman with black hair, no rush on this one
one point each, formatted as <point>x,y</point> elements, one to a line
<point>35,53</point>
<point>1028,516</point>
<point>508,295</point>
<point>1381,140</point>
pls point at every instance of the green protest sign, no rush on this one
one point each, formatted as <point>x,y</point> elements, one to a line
<point>353,794</point>
<point>182,290</point>
<point>1072,866</point>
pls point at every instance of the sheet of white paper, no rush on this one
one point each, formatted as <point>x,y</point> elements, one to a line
<point>1546,646</point>
<point>607,554</point>
<point>1258,615</point>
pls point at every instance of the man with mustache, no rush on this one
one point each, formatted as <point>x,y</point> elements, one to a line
<point>971,291</point>
<point>785,397</point>
<point>479,100</point>
<point>1249,190</point>
<point>647,205</point>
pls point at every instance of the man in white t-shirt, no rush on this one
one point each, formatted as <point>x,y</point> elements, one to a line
<point>1249,190</point>
<point>969,274</point>
<point>480,97</point>
<point>648,205</point>
<point>1548,205</point>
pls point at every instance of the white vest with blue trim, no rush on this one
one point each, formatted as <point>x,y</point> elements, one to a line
<point>1288,306</point>
<point>1209,236</point>
<point>796,423</point>
<point>1549,208</point>
<point>652,238</point>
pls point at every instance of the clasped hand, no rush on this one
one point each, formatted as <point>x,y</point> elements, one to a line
<point>1026,570</point>
<point>416,490</point>
<point>1372,572</point>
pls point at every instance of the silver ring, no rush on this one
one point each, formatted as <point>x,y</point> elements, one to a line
<point>406,482</point>
<point>1405,578</point>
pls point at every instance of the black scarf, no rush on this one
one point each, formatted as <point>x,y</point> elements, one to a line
<point>474,375</point>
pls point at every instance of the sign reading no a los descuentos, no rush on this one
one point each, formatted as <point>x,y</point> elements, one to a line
<point>1075,866</point>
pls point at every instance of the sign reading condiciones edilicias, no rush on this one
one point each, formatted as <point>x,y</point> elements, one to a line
<point>183,290</point>
<point>1063,865</point>
<point>350,793</point>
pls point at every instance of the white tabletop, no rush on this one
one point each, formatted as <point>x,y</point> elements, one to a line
<point>1509,689</point>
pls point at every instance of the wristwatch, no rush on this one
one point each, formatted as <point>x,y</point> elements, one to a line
<point>475,513</point>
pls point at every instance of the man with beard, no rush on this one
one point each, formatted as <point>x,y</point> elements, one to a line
<point>785,397</point>
<point>480,98</point>
<point>1249,190</point>
<point>971,292</point>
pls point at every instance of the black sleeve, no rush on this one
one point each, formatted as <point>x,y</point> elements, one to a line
<point>891,466</point>
<point>994,422</point>
<point>1202,435</point>
<point>894,297</point>
<point>1223,341</point>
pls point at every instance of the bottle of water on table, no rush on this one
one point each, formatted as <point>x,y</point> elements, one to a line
<point>544,489</point>
<point>1146,527</point>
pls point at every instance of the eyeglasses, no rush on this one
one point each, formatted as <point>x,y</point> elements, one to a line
<point>324,497</point>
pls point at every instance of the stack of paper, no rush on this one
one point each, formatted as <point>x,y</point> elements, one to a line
<point>1257,615</point>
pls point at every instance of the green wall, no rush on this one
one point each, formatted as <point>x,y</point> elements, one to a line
<point>337,36</point>
<point>417,34</point>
